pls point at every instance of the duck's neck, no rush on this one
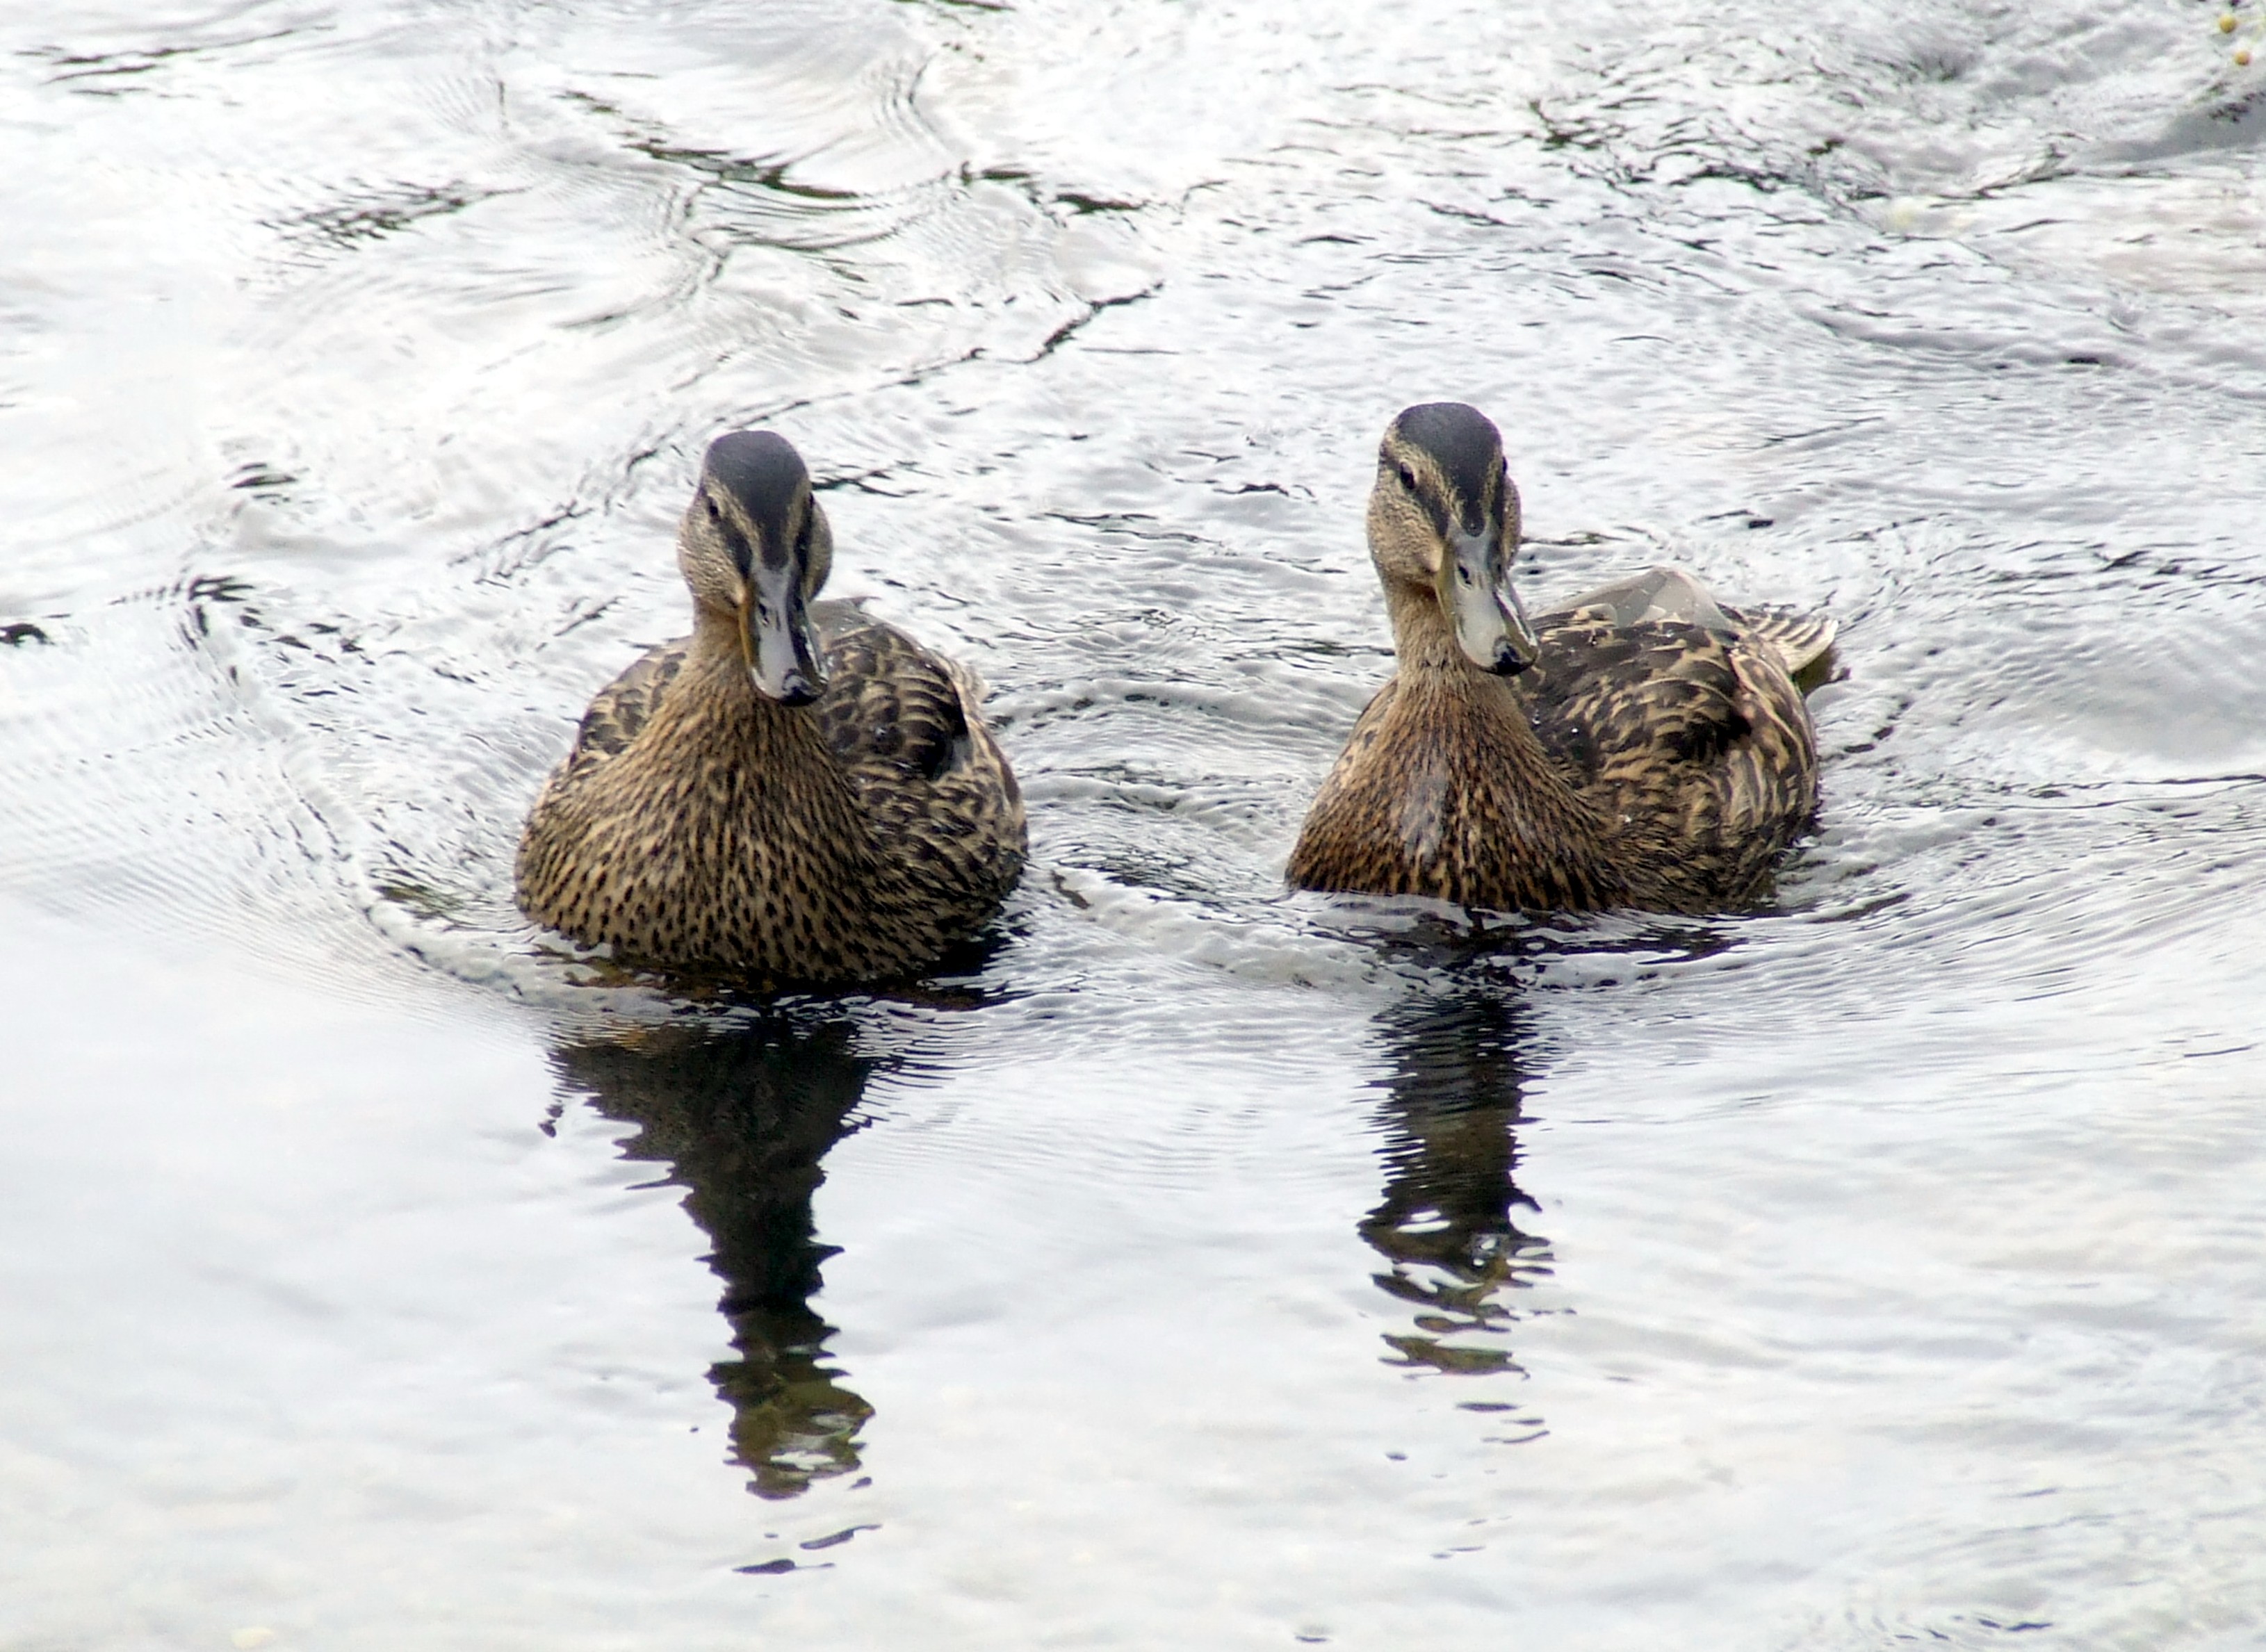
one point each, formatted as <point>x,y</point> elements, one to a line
<point>715,655</point>
<point>1439,684</point>
<point>775,767</point>
<point>1423,639</point>
<point>1525,836</point>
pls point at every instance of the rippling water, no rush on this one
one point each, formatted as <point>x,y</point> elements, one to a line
<point>1203,1266</point>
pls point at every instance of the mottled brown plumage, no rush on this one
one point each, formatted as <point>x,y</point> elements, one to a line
<point>796,790</point>
<point>1642,748</point>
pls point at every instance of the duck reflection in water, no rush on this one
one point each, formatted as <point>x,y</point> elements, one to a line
<point>744,1113</point>
<point>1445,1225</point>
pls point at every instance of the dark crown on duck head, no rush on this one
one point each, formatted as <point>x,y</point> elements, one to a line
<point>764,475</point>
<point>1464,443</point>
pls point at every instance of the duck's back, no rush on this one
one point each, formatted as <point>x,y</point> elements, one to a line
<point>1689,741</point>
<point>905,725</point>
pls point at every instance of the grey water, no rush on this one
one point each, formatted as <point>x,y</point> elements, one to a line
<point>1193,1264</point>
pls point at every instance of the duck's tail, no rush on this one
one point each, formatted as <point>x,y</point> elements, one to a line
<point>1801,641</point>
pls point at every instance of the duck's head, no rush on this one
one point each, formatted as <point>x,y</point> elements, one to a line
<point>755,548</point>
<point>1444,522</point>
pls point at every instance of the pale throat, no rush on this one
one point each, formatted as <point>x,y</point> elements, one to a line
<point>1422,639</point>
<point>755,730</point>
<point>714,631</point>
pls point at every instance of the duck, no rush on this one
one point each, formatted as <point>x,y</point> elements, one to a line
<point>1640,747</point>
<point>798,790</point>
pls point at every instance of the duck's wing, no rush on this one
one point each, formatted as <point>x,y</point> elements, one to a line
<point>624,705</point>
<point>1665,593</point>
<point>1691,736</point>
<point>1605,694</point>
<point>894,713</point>
<point>907,726</point>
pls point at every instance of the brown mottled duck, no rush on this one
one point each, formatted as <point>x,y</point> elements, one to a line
<point>1641,746</point>
<point>795,791</point>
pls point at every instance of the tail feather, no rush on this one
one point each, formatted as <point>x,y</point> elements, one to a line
<point>1800,640</point>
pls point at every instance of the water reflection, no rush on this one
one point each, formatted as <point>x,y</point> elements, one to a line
<point>1449,1120</point>
<point>744,1113</point>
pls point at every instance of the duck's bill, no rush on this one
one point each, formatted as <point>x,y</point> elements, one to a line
<point>775,635</point>
<point>1491,622</point>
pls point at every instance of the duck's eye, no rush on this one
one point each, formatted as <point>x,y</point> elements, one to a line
<point>1407,477</point>
<point>714,515</point>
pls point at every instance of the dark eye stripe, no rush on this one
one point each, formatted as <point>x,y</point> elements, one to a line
<point>736,543</point>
